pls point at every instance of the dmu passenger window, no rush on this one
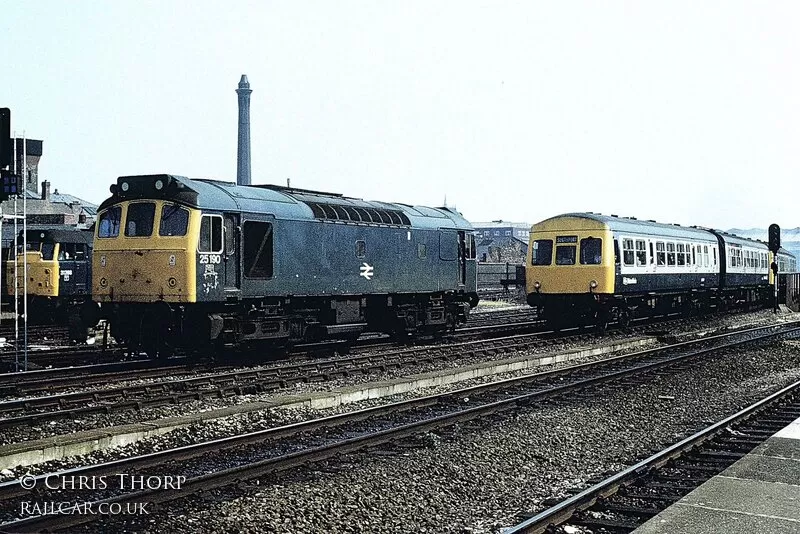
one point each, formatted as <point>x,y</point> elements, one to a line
<point>210,234</point>
<point>139,221</point>
<point>542,252</point>
<point>661,256</point>
<point>174,221</point>
<point>591,251</point>
<point>670,254</point>
<point>627,252</point>
<point>681,251</point>
<point>641,253</point>
<point>108,226</point>
<point>257,256</point>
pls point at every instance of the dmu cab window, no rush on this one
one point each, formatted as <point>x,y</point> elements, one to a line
<point>591,251</point>
<point>174,221</point>
<point>542,252</point>
<point>139,221</point>
<point>210,234</point>
<point>565,253</point>
<point>108,226</point>
<point>257,256</point>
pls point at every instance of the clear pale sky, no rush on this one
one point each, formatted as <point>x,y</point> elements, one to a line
<point>683,112</point>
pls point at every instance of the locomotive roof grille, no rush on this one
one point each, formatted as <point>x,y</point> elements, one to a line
<point>358,214</point>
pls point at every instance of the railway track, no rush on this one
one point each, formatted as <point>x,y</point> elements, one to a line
<point>626,500</point>
<point>218,383</point>
<point>245,456</point>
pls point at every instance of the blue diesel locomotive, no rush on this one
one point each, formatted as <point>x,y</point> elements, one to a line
<point>202,264</point>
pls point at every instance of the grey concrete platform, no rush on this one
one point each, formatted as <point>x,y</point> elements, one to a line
<point>760,493</point>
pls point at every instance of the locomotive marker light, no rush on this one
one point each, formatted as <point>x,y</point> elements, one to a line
<point>774,244</point>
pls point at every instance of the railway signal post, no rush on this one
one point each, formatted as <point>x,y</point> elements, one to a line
<point>774,243</point>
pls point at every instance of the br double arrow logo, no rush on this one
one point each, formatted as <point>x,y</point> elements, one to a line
<point>367,271</point>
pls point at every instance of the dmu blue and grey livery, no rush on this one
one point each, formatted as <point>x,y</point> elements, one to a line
<point>587,268</point>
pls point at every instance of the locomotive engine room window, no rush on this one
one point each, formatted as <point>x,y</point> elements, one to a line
<point>174,221</point>
<point>670,254</point>
<point>361,249</point>
<point>542,252</point>
<point>139,221</point>
<point>565,255</point>
<point>210,234</point>
<point>627,252</point>
<point>257,256</point>
<point>591,251</point>
<point>681,251</point>
<point>109,222</point>
<point>661,256</point>
<point>422,251</point>
<point>641,253</point>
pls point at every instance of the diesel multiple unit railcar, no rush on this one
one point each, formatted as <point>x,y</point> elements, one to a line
<point>586,268</point>
<point>204,264</point>
<point>59,276</point>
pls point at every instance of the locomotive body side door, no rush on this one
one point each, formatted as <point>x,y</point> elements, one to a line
<point>231,256</point>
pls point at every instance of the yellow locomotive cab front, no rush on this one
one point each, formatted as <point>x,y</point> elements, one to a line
<point>163,236</point>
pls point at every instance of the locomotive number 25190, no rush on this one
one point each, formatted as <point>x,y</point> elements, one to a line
<point>210,258</point>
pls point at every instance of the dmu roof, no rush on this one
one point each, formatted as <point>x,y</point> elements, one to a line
<point>636,226</point>
<point>283,202</point>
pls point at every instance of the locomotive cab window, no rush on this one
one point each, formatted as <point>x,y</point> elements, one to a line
<point>361,249</point>
<point>48,249</point>
<point>591,251</point>
<point>139,221</point>
<point>66,252</point>
<point>109,223</point>
<point>257,255</point>
<point>174,221</point>
<point>542,252</point>
<point>210,234</point>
